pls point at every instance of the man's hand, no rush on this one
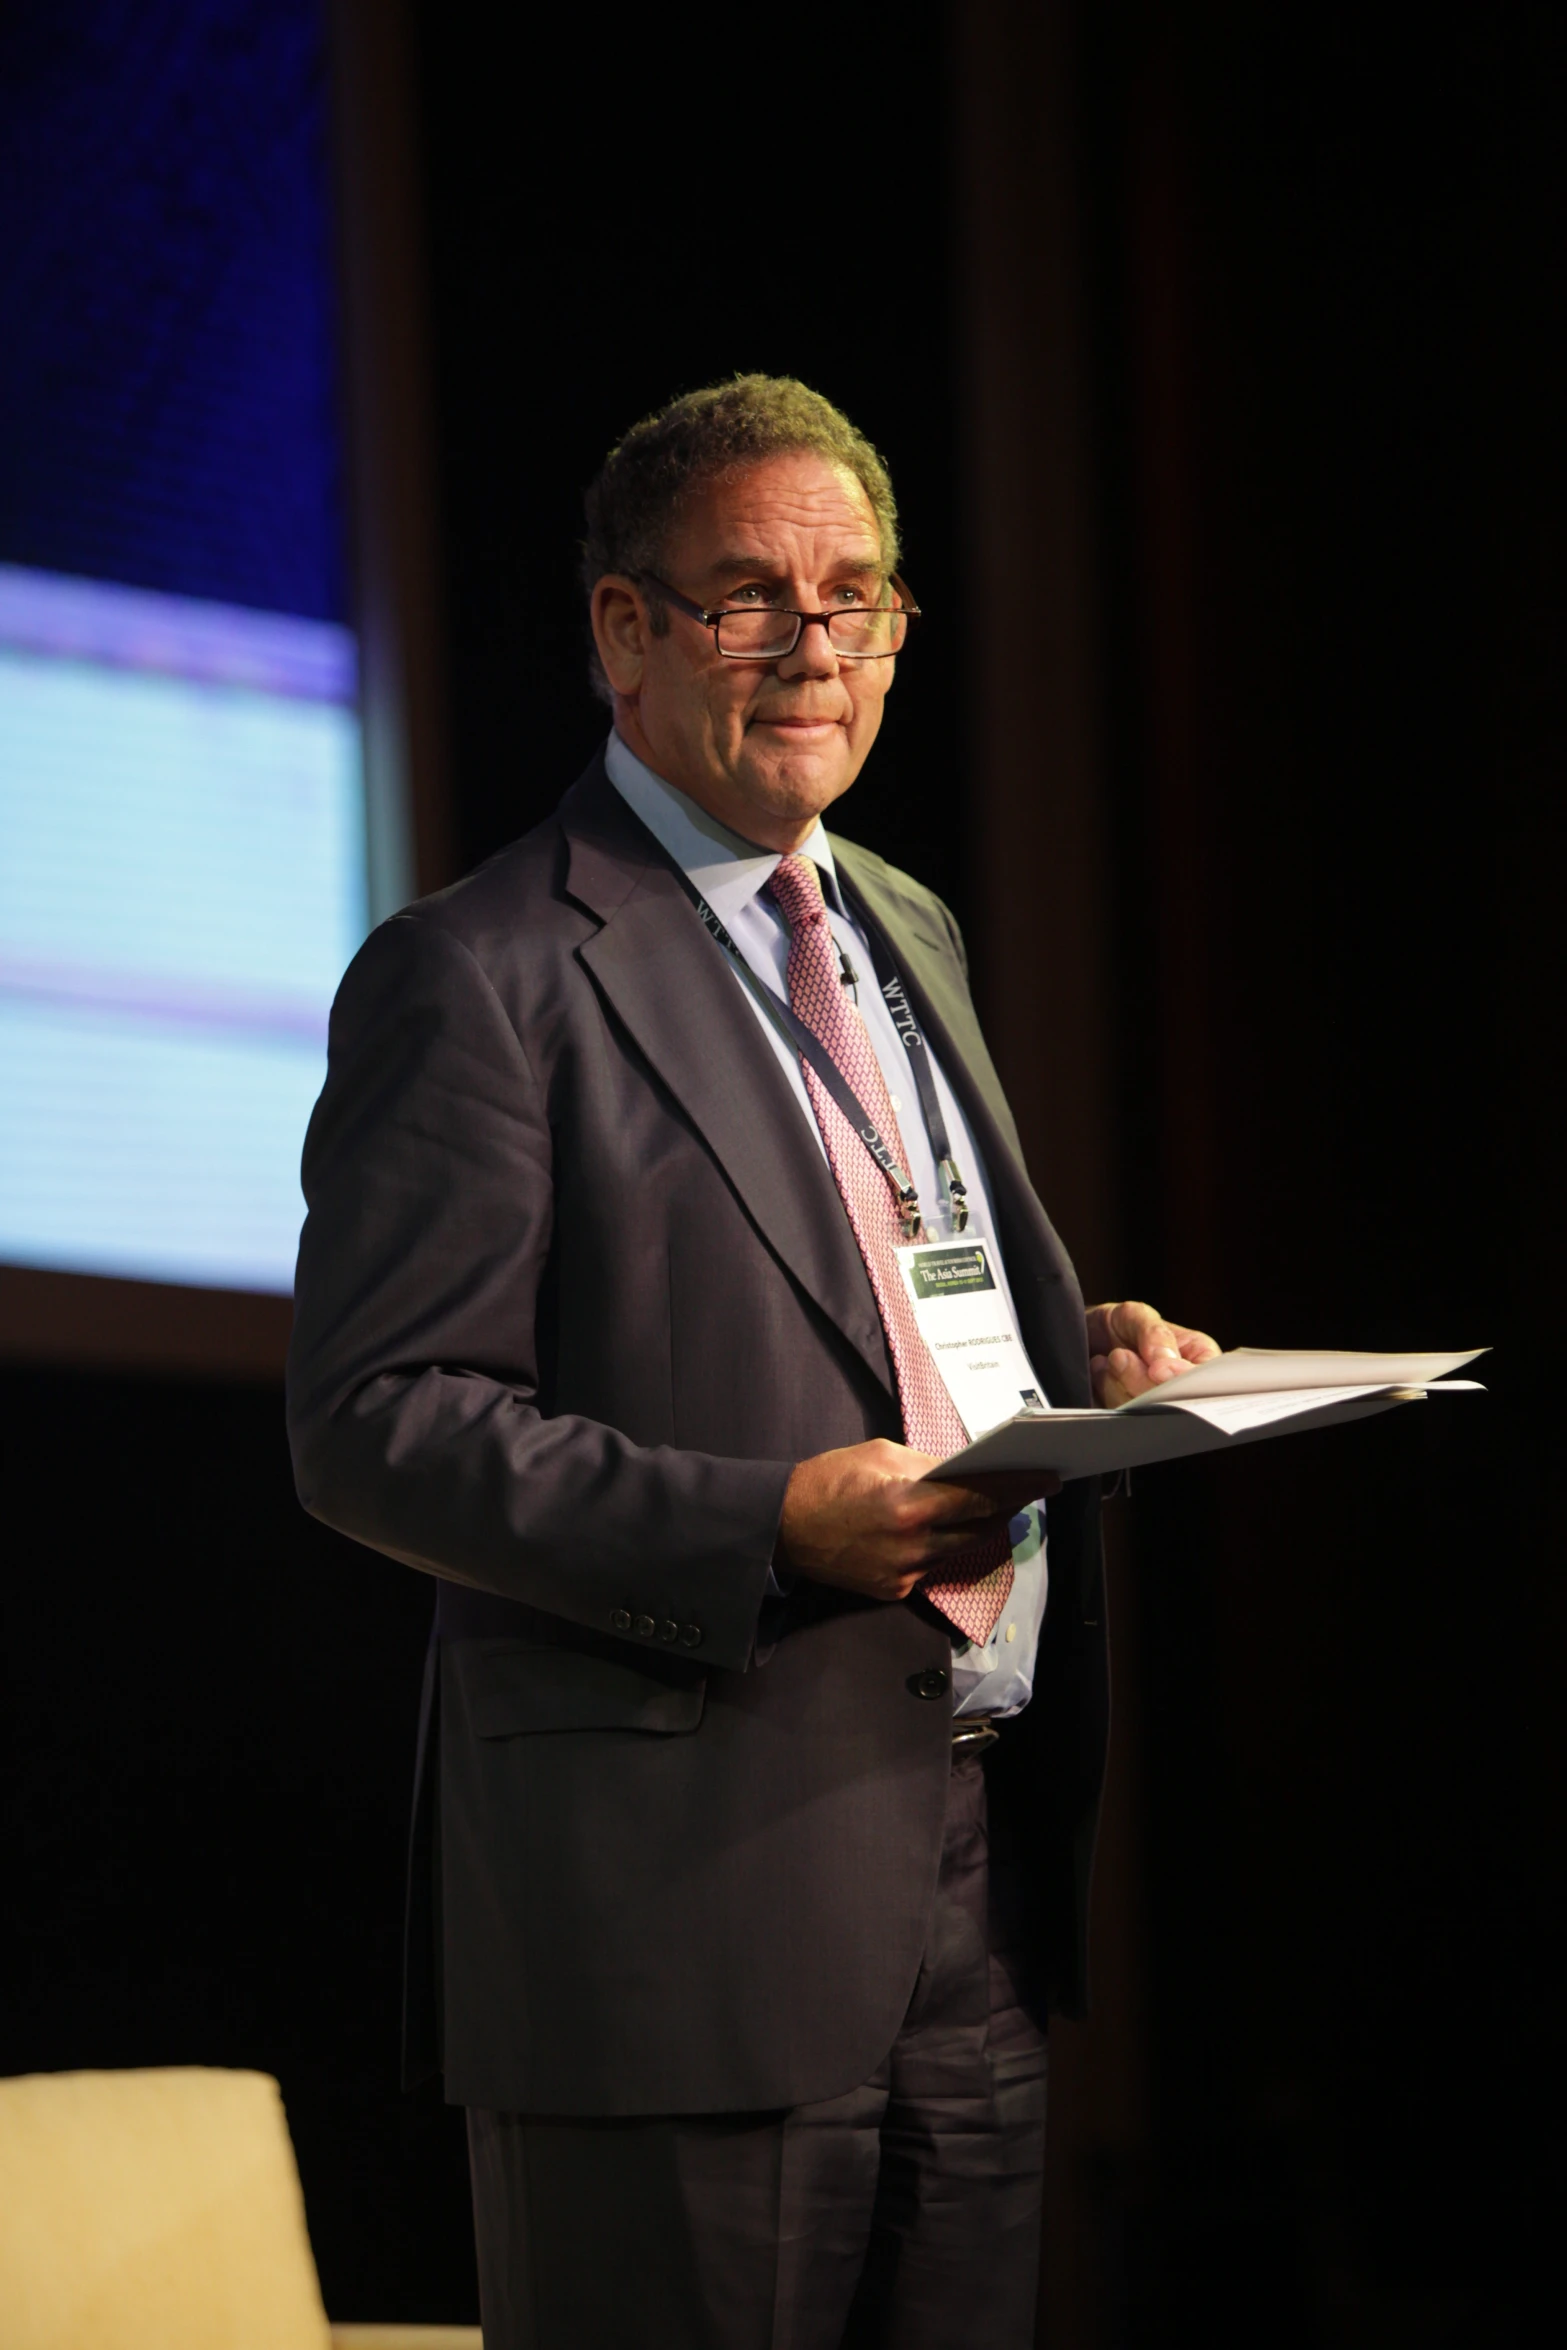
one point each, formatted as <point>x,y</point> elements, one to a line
<point>861,1518</point>
<point>1131,1348</point>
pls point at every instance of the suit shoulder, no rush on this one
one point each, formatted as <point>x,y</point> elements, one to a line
<point>522,874</point>
<point>500,934</point>
<point>509,913</point>
<point>873,874</point>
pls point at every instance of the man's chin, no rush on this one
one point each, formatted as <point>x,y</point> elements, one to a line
<point>798,783</point>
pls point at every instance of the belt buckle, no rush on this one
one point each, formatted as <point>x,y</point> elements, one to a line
<point>973,1735</point>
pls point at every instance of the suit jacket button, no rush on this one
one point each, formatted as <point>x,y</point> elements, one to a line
<point>690,1635</point>
<point>643,1627</point>
<point>931,1683</point>
<point>669,1631</point>
<point>620,1621</point>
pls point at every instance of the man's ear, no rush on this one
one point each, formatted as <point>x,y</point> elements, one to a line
<point>620,631</point>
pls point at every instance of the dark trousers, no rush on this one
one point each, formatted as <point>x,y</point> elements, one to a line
<point>905,2213</point>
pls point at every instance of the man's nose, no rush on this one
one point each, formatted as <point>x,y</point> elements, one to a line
<point>814,656</point>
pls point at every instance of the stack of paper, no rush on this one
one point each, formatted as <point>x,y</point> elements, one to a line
<point>1236,1398</point>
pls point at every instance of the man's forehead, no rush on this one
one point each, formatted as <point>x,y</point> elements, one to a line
<point>731,545</point>
<point>854,553</point>
<point>746,519</point>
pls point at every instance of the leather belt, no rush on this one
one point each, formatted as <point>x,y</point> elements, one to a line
<point>971,1732</point>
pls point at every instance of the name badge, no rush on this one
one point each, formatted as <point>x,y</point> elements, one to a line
<point>964,1319</point>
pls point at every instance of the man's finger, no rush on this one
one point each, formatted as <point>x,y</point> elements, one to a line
<point>944,1542</point>
<point>1133,1348</point>
<point>1155,1342</point>
<point>1139,1326</point>
<point>943,1503</point>
<point>1012,1489</point>
<point>1121,1375</point>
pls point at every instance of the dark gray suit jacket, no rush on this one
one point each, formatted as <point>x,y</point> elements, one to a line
<point>576,1290</point>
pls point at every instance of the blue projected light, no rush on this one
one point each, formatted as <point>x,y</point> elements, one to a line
<point>182,880</point>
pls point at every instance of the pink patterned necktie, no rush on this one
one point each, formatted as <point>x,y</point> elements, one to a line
<point>972,1587</point>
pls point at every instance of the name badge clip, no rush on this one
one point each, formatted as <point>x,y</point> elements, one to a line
<point>957,1194</point>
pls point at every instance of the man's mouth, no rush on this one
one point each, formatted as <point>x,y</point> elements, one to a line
<point>802,725</point>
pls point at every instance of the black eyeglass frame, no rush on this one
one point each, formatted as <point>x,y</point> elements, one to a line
<point>802,620</point>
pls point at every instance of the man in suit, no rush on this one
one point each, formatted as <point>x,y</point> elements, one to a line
<point>758,1772</point>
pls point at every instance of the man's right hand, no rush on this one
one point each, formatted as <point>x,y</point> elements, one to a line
<point>862,1519</point>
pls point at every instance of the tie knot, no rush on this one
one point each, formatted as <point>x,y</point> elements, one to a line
<point>797,890</point>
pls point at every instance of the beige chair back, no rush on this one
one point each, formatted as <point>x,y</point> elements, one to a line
<point>152,2211</point>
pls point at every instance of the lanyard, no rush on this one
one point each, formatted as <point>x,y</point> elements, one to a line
<point>911,1037</point>
<point>811,1049</point>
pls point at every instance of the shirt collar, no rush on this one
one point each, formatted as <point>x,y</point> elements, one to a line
<point>728,870</point>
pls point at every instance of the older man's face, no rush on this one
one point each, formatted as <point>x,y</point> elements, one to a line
<point>764,746</point>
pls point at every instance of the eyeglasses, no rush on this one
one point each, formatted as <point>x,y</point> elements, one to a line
<point>768,632</point>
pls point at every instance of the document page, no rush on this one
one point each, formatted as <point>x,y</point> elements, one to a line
<point>1259,1370</point>
<point>1234,1412</point>
<point>1236,1399</point>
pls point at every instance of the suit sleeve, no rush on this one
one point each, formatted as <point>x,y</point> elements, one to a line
<point>413,1389</point>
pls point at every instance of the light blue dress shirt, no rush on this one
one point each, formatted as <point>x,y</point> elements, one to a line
<point>730,872</point>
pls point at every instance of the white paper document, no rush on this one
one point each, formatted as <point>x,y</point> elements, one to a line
<point>1235,1399</point>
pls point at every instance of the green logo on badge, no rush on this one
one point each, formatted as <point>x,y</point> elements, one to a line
<point>942,1272</point>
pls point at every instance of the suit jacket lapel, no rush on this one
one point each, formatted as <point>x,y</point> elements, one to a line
<point>1044,1286</point>
<point>667,984</point>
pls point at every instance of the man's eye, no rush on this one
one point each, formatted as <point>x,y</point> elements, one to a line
<point>849,595</point>
<point>749,595</point>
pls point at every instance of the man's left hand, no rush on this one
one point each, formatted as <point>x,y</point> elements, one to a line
<point>1132,1348</point>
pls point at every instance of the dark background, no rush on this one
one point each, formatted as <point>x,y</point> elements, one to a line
<point>689,223</point>
<point>1316,310</point>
